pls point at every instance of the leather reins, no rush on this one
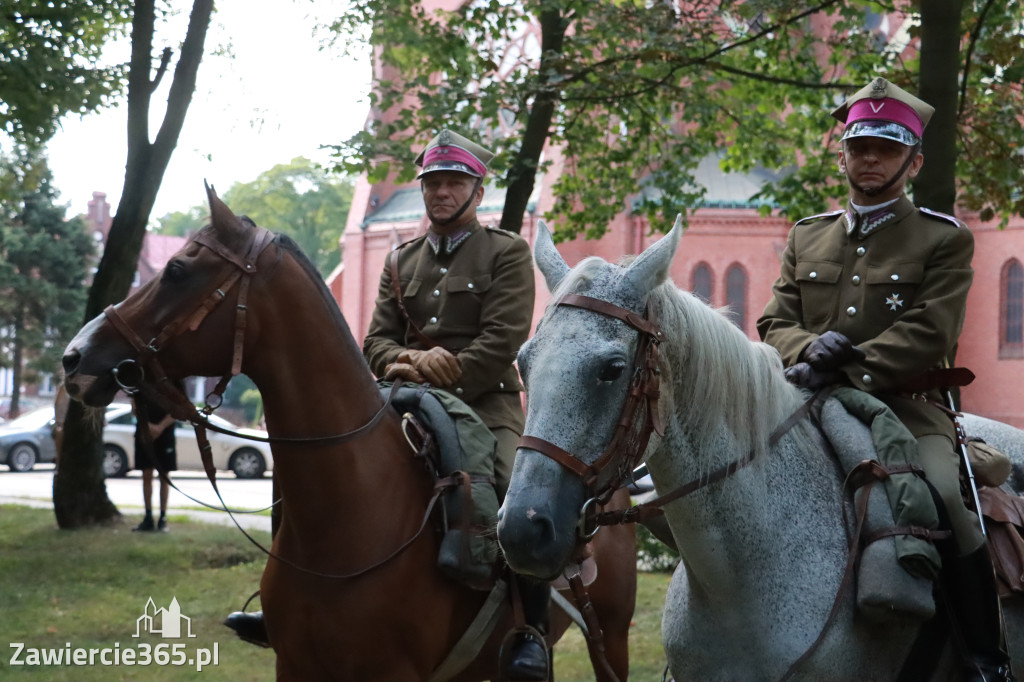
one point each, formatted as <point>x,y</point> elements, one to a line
<point>637,421</point>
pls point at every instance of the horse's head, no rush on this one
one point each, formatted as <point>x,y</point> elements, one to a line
<point>156,330</point>
<point>586,361</point>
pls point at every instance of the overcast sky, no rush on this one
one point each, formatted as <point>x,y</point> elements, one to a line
<point>277,98</point>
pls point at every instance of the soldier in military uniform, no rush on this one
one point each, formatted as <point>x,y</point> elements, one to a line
<point>873,296</point>
<point>462,307</point>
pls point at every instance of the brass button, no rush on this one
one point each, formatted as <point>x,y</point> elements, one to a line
<point>894,277</point>
<point>437,292</point>
<point>866,378</point>
<point>444,271</point>
<point>855,279</point>
<point>861,250</point>
<point>851,311</point>
<point>813,275</point>
<point>433,320</point>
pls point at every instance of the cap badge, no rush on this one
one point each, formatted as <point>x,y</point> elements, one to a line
<point>878,88</point>
<point>445,138</point>
<point>894,302</point>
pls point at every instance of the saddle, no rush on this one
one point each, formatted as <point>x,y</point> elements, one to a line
<point>1004,523</point>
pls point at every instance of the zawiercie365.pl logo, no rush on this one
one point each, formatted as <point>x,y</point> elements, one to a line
<point>168,622</point>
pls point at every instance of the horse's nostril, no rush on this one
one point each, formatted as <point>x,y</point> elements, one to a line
<point>70,361</point>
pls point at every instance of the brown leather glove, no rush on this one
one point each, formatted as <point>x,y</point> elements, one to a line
<point>404,371</point>
<point>831,350</point>
<point>437,365</point>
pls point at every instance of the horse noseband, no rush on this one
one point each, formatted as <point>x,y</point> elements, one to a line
<point>638,419</point>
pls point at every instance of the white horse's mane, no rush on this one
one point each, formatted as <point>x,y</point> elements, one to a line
<point>720,376</point>
<point>720,379</point>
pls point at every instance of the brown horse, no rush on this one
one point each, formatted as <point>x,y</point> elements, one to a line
<point>349,503</point>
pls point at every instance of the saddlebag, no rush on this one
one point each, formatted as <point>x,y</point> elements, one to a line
<point>895,534</point>
<point>465,456</point>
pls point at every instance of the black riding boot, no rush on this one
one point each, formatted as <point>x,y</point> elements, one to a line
<point>249,627</point>
<point>529,658</point>
<point>972,594</point>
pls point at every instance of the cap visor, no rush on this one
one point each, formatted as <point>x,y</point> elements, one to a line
<point>884,129</point>
<point>451,166</point>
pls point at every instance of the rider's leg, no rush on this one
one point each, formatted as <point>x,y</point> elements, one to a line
<point>508,441</point>
<point>529,657</point>
<point>967,575</point>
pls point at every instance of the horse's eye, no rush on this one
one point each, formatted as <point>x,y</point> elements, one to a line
<point>174,272</point>
<point>612,371</point>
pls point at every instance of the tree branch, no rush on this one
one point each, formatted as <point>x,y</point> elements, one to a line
<point>975,36</point>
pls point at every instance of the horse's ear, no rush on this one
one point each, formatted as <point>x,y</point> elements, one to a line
<point>220,214</point>
<point>651,267</point>
<point>549,261</point>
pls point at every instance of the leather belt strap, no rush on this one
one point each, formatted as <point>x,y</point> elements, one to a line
<point>396,286</point>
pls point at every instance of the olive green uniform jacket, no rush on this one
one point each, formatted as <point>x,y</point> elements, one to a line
<point>475,300</point>
<point>894,281</point>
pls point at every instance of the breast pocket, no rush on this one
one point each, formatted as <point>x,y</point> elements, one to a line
<point>464,301</point>
<point>818,292</point>
<point>892,288</point>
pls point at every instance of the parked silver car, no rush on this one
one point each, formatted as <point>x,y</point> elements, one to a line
<point>28,440</point>
<point>246,458</point>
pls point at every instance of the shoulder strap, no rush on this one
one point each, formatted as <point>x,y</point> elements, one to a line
<point>396,284</point>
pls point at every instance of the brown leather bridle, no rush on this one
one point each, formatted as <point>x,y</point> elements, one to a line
<point>130,374</point>
<point>638,419</point>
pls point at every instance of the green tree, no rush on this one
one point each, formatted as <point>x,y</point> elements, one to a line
<point>79,494</point>
<point>633,95</point>
<point>182,223</point>
<point>302,200</point>
<point>43,266</point>
<point>50,62</point>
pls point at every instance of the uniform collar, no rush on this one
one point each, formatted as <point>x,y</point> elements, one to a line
<point>447,243</point>
<point>865,224</point>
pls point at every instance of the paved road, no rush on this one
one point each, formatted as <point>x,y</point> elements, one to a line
<point>35,488</point>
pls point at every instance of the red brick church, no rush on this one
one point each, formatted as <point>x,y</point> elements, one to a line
<point>729,255</point>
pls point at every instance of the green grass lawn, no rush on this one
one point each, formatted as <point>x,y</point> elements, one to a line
<point>89,587</point>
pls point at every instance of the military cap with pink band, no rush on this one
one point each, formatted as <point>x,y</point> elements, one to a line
<point>881,109</point>
<point>450,151</point>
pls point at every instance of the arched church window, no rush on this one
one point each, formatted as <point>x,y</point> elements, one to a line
<point>701,284</point>
<point>1011,313</point>
<point>736,295</point>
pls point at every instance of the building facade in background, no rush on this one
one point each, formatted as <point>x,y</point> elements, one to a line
<point>729,256</point>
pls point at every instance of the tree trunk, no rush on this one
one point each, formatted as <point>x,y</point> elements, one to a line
<point>522,174</point>
<point>935,186</point>
<point>79,493</point>
<point>79,490</point>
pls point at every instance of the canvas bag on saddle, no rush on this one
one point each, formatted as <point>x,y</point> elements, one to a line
<point>895,571</point>
<point>464,454</point>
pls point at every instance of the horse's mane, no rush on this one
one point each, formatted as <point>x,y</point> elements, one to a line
<point>716,367</point>
<point>289,245</point>
<point>720,379</point>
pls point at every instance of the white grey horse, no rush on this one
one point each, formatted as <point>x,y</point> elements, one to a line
<point>763,550</point>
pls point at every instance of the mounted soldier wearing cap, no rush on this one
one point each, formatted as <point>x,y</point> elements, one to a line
<point>873,296</point>
<point>453,308</point>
